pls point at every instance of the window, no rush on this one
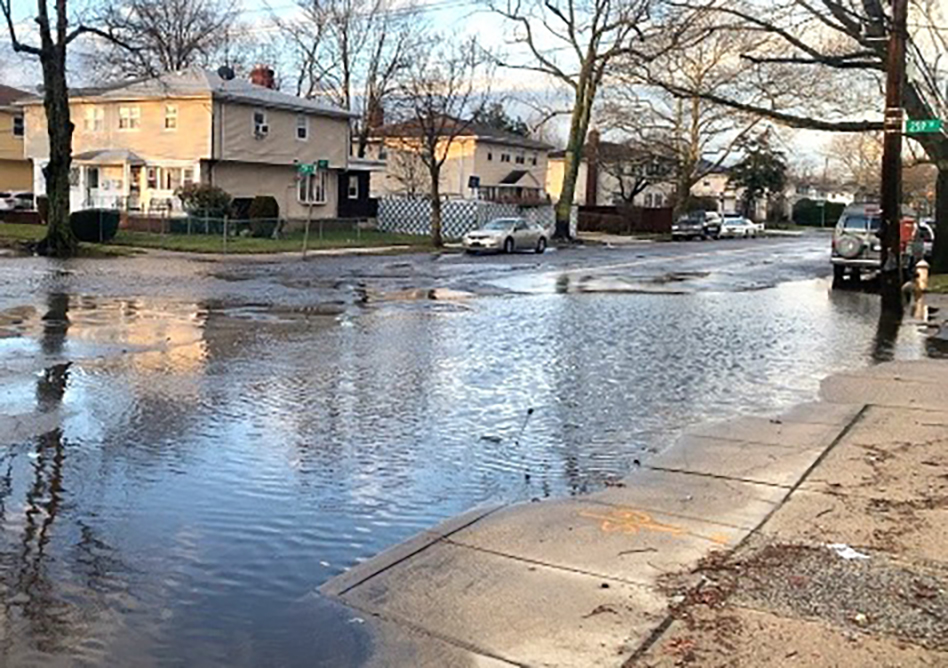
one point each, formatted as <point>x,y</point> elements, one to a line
<point>18,127</point>
<point>92,177</point>
<point>74,177</point>
<point>505,157</point>
<point>519,159</point>
<point>187,176</point>
<point>260,127</point>
<point>153,174</point>
<point>353,186</point>
<point>490,156</point>
<point>171,117</point>
<point>130,118</point>
<point>302,127</point>
<point>94,120</point>
<point>533,161</point>
<point>171,178</point>
<point>312,188</point>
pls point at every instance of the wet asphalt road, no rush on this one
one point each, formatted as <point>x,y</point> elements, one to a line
<point>221,437</point>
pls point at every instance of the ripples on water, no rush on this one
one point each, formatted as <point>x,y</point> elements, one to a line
<point>215,466</point>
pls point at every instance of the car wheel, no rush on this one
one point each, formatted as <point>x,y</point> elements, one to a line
<point>541,245</point>
<point>839,274</point>
<point>508,245</point>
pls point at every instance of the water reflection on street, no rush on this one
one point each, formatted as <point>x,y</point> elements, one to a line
<point>212,462</point>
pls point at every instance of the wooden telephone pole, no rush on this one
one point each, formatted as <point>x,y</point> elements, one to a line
<point>891,276</point>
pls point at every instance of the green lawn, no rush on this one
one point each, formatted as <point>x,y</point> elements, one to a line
<point>938,283</point>
<point>205,243</point>
<point>14,235</point>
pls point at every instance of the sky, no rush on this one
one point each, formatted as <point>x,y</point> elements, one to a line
<point>464,17</point>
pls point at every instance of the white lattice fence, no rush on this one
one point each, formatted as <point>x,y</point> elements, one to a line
<point>413,216</point>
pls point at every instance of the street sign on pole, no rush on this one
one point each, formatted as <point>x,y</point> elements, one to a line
<point>322,164</point>
<point>923,126</point>
<point>305,169</point>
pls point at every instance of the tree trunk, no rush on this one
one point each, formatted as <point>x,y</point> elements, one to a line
<point>940,254</point>
<point>579,125</point>
<point>59,241</point>
<point>436,239</point>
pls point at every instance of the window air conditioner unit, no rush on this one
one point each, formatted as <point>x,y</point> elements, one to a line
<point>262,131</point>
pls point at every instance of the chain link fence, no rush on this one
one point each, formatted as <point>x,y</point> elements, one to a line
<point>233,235</point>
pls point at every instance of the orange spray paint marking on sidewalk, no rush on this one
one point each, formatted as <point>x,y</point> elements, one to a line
<point>632,521</point>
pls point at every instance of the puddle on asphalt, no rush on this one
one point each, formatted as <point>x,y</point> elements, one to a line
<point>217,460</point>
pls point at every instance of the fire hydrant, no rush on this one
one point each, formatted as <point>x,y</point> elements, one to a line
<point>921,275</point>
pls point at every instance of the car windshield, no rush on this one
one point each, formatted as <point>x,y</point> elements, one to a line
<point>861,223</point>
<point>501,224</point>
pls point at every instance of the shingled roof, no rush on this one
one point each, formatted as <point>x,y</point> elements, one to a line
<point>198,82</point>
<point>10,95</point>
<point>465,129</point>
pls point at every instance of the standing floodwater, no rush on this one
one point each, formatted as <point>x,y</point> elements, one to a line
<point>191,450</point>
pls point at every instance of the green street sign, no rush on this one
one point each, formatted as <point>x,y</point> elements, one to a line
<point>322,164</point>
<point>305,169</point>
<point>924,126</point>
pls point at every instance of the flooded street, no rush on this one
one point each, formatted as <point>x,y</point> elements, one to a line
<point>190,448</point>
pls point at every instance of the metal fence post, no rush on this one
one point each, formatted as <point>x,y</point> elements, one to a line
<point>309,215</point>
<point>225,234</point>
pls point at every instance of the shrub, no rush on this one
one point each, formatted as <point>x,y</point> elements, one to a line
<point>94,225</point>
<point>264,213</point>
<point>201,199</point>
<point>808,212</point>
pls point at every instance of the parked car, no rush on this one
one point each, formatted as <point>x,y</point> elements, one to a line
<point>7,201</point>
<point>857,248</point>
<point>926,230</point>
<point>507,235</point>
<point>23,200</point>
<point>712,224</point>
<point>688,227</point>
<point>736,226</point>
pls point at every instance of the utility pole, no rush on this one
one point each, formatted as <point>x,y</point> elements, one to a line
<point>891,276</point>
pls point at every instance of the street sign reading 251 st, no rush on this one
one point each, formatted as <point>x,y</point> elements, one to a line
<point>923,126</point>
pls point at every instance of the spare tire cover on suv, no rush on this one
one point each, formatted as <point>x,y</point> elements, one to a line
<point>849,247</point>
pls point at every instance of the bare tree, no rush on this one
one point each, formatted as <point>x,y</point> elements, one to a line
<point>352,51</point>
<point>847,39</point>
<point>631,168</point>
<point>857,158</point>
<point>698,135</point>
<point>408,171</point>
<point>149,37</point>
<point>55,36</point>
<point>575,43</point>
<point>443,89</point>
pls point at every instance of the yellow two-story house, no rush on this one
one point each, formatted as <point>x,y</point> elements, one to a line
<point>16,174</point>
<point>481,162</point>
<point>135,143</point>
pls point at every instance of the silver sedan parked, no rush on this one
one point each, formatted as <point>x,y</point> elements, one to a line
<point>507,235</point>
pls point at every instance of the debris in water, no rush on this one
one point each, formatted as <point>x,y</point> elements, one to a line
<point>491,438</point>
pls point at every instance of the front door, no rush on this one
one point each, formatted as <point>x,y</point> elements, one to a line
<point>92,186</point>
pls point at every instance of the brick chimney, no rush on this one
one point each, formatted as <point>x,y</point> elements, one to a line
<point>263,75</point>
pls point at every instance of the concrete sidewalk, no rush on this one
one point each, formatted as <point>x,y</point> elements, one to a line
<point>585,581</point>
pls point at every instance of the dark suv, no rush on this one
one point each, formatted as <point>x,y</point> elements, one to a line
<point>697,225</point>
<point>857,248</point>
